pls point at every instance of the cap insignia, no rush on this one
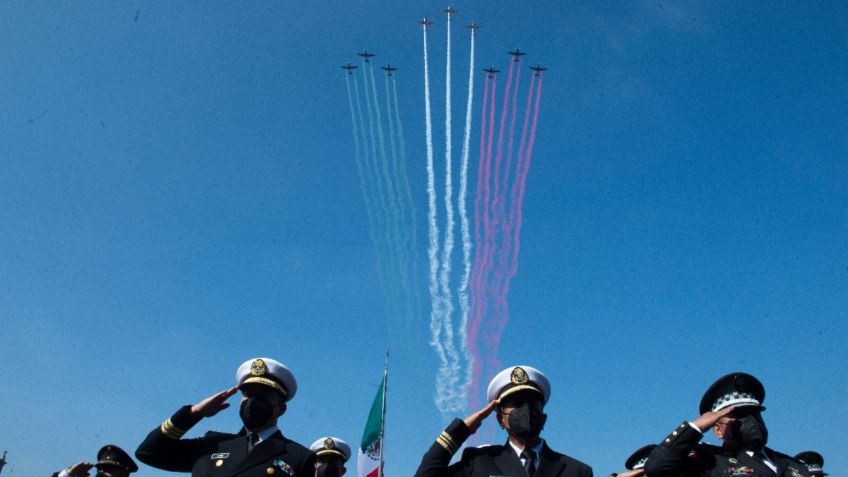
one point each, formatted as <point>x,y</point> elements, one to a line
<point>329,444</point>
<point>258,368</point>
<point>519,376</point>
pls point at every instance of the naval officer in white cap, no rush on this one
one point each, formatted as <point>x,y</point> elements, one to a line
<point>732,407</point>
<point>259,449</point>
<point>329,455</point>
<point>518,395</point>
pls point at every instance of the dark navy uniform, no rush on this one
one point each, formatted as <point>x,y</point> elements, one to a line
<point>220,454</point>
<point>732,407</point>
<point>489,461</point>
<point>681,454</point>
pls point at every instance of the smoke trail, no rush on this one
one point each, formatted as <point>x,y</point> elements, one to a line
<point>433,248</point>
<point>412,297</point>
<point>400,243</point>
<point>361,173</point>
<point>463,218</point>
<point>500,313</point>
<point>379,190</point>
<point>361,155</point>
<point>447,251</point>
<point>481,231</point>
<point>392,228</point>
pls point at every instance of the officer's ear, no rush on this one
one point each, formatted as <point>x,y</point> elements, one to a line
<point>283,408</point>
<point>344,469</point>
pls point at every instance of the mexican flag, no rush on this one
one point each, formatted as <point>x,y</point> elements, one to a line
<point>371,449</point>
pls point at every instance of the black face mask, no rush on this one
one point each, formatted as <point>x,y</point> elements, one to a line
<point>327,470</point>
<point>255,412</point>
<point>750,433</point>
<point>526,423</point>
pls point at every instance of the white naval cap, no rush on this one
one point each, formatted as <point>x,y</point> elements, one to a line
<point>268,372</point>
<point>519,378</point>
<point>332,446</point>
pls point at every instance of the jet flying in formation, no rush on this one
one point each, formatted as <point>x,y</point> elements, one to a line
<point>389,69</point>
<point>450,11</point>
<point>349,67</point>
<point>367,56</point>
<point>491,71</point>
<point>426,22</point>
<point>516,54</point>
<point>473,27</point>
<point>538,69</point>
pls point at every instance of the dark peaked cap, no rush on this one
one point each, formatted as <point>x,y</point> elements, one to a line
<point>113,455</point>
<point>637,459</point>
<point>734,389</point>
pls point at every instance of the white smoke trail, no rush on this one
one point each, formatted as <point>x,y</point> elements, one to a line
<point>463,217</point>
<point>433,247</point>
<point>447,251</point>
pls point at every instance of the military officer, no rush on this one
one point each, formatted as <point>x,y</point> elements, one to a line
<point>112,461</point>
<point>732,407</point>
<point>329,455</point>
<point>635,464</point>
<point>259,449</point>
<point>814,462</point>
<point>518,395</point>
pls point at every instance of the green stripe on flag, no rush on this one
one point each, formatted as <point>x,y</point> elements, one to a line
<point>373,428</point>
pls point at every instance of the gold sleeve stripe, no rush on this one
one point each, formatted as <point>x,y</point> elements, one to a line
<point>446,441</point>
<point>169,429</point>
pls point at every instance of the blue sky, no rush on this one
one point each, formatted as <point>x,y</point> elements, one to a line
<point>178,194</point>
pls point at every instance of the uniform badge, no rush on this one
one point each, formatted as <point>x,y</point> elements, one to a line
<point>258,368</point>
<point>744,470</point>
<point>794,472</point>
<point>220,455</point>
<point>519,376</point>
<point>283,466</point>
<point>329,444</point>
<point>270,471</point>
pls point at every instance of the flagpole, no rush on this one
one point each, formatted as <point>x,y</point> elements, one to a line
<point>383,420</point>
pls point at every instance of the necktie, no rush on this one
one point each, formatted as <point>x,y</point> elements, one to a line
<point>252,440</point>
<point>529,458</point>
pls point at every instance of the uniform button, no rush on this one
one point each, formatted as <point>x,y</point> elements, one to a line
<point>269,471</point>
<point>668,440</point>
<point>674,433</point>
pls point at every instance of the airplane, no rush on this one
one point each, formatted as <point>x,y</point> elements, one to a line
<point>491,71</point>
<point>349,67</point>
<point>389,69</point>
<point>538,69</point>
<point>367,56</point>
<point>517,53</point>
<point>473,26</point>
<point>426,22</point>
<point>450,11</point>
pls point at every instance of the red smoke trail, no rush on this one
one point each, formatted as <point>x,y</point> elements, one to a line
<point>493,249</point>
<point>519,186</point>
<point>503,285</point>
<point>477,288</point>
<point>500,313</point>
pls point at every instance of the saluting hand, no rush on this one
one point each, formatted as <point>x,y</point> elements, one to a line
<point>214,403</point>
<point>473,421</point>
<point>81,469</point>
<point>709,418</point>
